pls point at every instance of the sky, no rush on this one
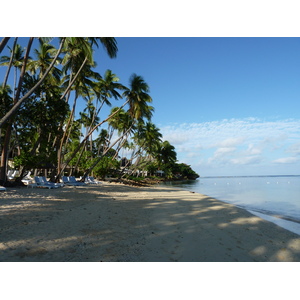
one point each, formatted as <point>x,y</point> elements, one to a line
<point>229,105</point>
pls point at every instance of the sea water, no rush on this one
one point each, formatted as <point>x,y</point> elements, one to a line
<point>274,198</point>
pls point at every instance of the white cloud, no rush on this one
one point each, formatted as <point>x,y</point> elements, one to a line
<point>294,148</point>
<point>253,150</point>
<point>286,160</point>
<point>234,142</point>
<point>246,160</point>
<point>229,142</point>
<point>221,153</point>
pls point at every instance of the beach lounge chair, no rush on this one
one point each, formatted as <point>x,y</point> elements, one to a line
<point>41,183</point>
<point>11,174</point>
<point>70,180</point>
<point>44,180</point>
<point>27,179</point>
<point>73,180</point>
<point>90,179</point>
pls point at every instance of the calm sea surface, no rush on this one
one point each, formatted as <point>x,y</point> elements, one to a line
<point>272,195</point>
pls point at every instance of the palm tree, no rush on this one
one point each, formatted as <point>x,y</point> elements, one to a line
<point>137,97</point>
<point>17,58</point>
<point>18,101</point>
<point>109,44</point>
<point>148,137</point>
<point>79,56</point>
<point>44,57</point>
<point>79,60</point>
<point>107,87</point>
<point>10,62</point>
<point>166,155</point>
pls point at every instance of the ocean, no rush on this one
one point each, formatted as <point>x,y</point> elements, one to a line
<point>274,198</point>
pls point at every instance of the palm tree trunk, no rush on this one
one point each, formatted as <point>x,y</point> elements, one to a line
<point>3,43</point>
<point>18,92</point>
<point>73,80</point>
<point>4,154</point>
<point>59,153</point>
<point>16,106</point>
<point>84,140</point>
<point>104,152</point>
<point>10,63</point>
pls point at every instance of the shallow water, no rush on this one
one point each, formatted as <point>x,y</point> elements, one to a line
<point>271,195</point>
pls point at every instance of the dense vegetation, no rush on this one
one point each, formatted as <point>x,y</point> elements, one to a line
<point>38,125</point>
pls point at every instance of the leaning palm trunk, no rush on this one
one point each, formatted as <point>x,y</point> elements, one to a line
<point>10,63</point>
<point>75,77</point>
<point>3,43</point>
<point>4,156</point>
<point>16,106</point>
<point>59,174</point>
<point>63,139</point>
<point>99,158</point>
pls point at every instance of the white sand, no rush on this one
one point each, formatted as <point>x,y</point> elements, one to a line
<point>113,222</point>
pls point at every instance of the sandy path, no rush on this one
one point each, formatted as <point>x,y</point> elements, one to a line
<point>114,222</point>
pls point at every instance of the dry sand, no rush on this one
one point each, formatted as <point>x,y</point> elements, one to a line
<point>112,222</point>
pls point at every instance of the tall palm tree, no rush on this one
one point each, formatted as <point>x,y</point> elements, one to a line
<point>107,87</point>
<point>10,62</point>
<point>18,101</point>
<point>138,98</point>
<point>17,61</point>
<point>148,137</point>
<point>166,155</point>
<point>78,61</point>
<point>44,56</point>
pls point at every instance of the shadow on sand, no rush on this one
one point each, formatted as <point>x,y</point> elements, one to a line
<point>135,224</point>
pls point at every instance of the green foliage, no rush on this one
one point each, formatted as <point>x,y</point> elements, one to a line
<point>184,171</point>
<point>41,160</point>
<point>106,166</point>
<point>5,100</point>
<point>151,167</point>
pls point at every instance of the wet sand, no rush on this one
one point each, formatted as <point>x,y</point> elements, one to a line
<point>117,223</point>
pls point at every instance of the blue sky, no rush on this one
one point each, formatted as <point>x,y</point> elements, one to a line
<point>230,106</point>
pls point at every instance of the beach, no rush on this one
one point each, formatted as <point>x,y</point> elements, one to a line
<point>113,222</point>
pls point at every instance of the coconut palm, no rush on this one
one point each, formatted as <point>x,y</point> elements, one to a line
<point>44,56</point>
<point>18,102</point>
<point>148,137</point>
<point>166,155</point>
<point>16,58</point>
<point>106,88</point>
<point>138,98</point>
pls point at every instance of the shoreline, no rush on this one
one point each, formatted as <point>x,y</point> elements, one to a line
<point>115,222</point>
